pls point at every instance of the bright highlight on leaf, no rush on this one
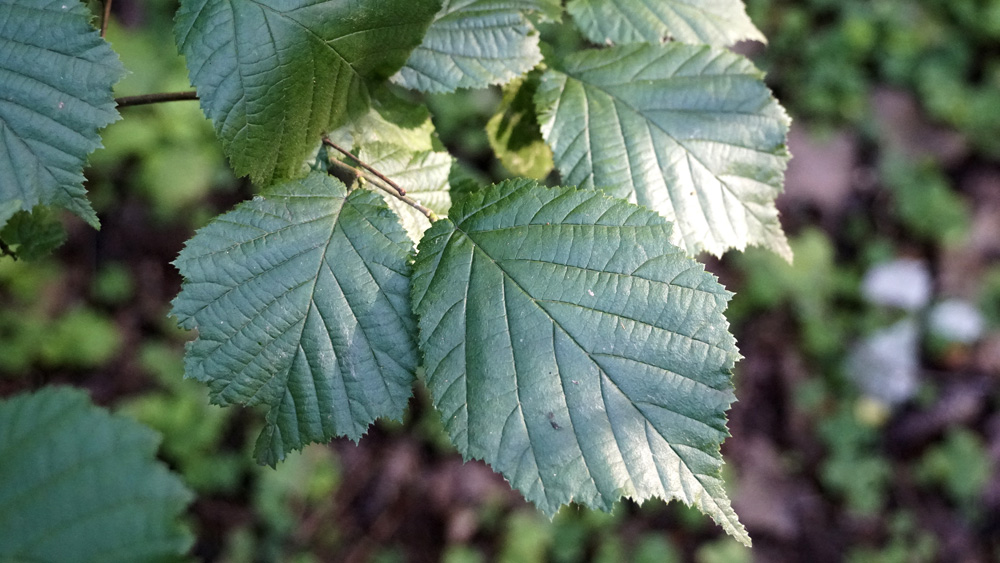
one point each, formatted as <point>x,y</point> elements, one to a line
<point>575,350</point>
<point>56,75</point>
<point>78,484</point>
<point>514,134</point>
<point>715,22</point>
<point>424,176</point>
<point>274,76</point>
<point>473,44</point>
<point>692,131</point>
<point>301,301</point>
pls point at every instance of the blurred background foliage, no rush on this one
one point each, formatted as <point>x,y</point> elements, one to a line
<point>867,428</point>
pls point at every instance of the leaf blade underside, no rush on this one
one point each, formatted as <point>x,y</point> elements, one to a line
<point>713,22</point>
<point>692,131</point>
<point>301,303</point>
<point>473,44</point>
<point>57,75</point>
<point>573,349</point>
<point>274,78</point>
<point>80,484</point>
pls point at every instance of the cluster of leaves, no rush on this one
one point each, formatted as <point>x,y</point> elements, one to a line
<point>566,334</point>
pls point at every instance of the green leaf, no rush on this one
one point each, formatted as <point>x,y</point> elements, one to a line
<point>301,302</point>
<point>692,131</point>
<point>390,119</point>
<point>514,134</point>
<point>575,350</point>
<point>274,76</point>
<point>715,22</point>
<point>33,235</point>
<point>473,44</point>
<point>79,484</point>
<point>56,74</point>
<point>424,176</point>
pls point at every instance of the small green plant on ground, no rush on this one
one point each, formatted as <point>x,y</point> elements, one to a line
<point>566,334</point>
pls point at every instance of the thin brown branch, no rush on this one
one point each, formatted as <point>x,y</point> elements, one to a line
<point>347,153</point>
<point>377,182</point>
<point>382,182</point>
<point>144,99</point>
<point>105,17</point>
<point>6,250</point>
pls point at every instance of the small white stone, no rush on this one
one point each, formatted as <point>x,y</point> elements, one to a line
<point>903,283</point>
<point>885,365</point>
<point>957,320</point>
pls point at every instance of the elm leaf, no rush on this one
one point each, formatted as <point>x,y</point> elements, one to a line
<point>301,301</point>
<point>691,131</point>
<point>56,79</point>
<point>715,22</point>
<point>273,76</point>
<point>575,350</point>
<point>424,176</point>
<point>473,44</point>
<point>80,484</point>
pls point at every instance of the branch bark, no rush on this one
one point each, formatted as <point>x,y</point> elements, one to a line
<point>145,99</point>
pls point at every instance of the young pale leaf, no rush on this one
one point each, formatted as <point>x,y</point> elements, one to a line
<point>575,350</point>
<point>392,120</point>
<point>56,75</point>
<point>301,301</point>
<point>274,76</point>
<point>514,135</point>
<point>78,484</point>
<point>473,44</point>
<point>692,131</point>
<point>715,22</point>
<point>424,176</point>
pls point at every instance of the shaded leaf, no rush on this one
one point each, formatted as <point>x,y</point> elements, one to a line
<point>424,176</point>
<point>473,44</point>
<point>575,350</point>
<point>79,484</point>
<point>56,76</point>
<point>33,235</point>
<point>301,303</point>
<point>274,76</point>
<point>692,131</point>
<point>514,134</point>
<point>715,22</point>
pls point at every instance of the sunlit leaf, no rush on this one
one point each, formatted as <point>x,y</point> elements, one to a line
<point>715,22</point>
<point>514,134</point>
<point>423,175</point>
<point>473,44</point>
<point>691,131</point>
<point>575,350</point>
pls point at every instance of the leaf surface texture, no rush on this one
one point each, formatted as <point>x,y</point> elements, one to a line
<point>715,22</point>
<point>424,176</point>
<point>56,79</point>
<point>301,302</point>
<point>691,131</point>
<point>273,76</point>
<point>575,350</point>
<point>78,484</point>
<point>473,44</point>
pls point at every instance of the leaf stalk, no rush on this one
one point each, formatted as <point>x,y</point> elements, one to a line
<point>382,181</point>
